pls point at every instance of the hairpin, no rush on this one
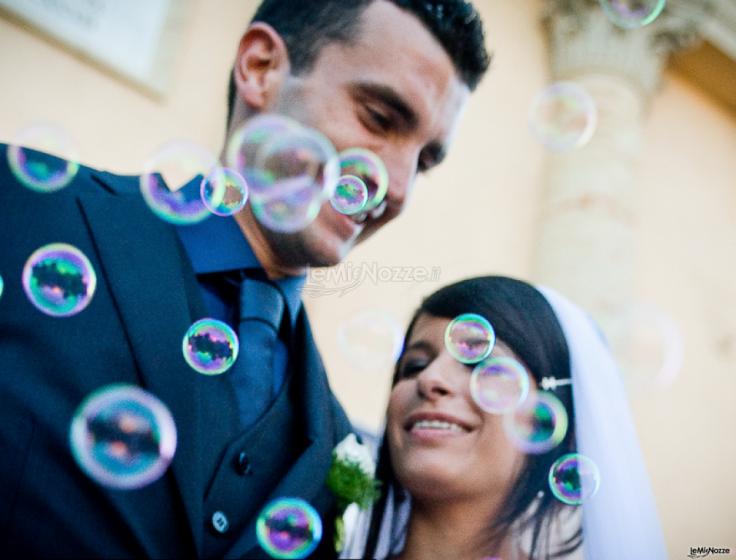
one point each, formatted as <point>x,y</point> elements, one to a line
<point>552,383</point>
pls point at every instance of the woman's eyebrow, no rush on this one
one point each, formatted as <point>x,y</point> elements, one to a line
<point>419,345</point>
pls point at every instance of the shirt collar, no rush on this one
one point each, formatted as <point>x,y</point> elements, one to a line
<point>217,244</point>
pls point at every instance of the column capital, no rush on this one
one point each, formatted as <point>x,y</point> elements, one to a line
<point>584,41</point>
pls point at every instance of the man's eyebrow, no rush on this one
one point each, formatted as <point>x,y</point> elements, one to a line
<point>435,152</point>
<point>392,98</point>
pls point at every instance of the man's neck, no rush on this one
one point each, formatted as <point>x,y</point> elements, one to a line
<point>251,230</point>
<point>262,248</point>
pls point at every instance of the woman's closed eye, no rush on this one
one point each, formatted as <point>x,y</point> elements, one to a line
<point>411,367</point>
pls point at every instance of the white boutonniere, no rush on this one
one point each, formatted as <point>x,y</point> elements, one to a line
<point>351,480</point>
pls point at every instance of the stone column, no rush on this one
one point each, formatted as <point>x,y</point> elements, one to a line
<point>587,238</point>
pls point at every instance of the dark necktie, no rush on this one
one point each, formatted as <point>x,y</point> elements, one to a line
<point>261,312</point>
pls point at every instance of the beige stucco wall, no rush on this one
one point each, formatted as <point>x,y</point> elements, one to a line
<point>475,215</point>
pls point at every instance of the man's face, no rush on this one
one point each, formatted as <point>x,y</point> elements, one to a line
<point>392,90</point>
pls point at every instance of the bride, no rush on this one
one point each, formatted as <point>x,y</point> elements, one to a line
<point>464,477</point>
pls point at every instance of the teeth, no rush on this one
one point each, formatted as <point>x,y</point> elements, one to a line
<point>374,214</point>
<point>436,425</point>
<point>360,218</point>
<point>378,212</point>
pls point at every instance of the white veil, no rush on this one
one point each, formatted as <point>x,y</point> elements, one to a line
<point>621,520</point>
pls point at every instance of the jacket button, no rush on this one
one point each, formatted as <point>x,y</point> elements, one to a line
<point>242,464</point>
<point>220,522</point>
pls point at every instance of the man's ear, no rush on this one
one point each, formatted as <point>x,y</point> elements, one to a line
<point>261,67</point>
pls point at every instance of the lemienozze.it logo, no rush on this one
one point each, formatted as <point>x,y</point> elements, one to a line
<point>346,277</point>
<point>703,551</point>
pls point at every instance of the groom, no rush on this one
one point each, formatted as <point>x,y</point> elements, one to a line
<point>392,76</point>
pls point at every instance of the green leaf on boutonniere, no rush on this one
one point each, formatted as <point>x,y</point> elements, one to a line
<point>350,484</point>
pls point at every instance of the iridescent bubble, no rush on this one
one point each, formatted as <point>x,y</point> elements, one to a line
<point>295,206</point>
<point>30,162</point>
<point>123,436</point>
<point>210,347</point>
<point>2,286</point>
<point>649,346</point>
<point>224,191</point>
<point>499,385</point>
<point>167,182</point>
<point>59,280</point>
<point>367,166</point>
<point>290,170</point>
<point>563,116</point>
<point>289,528</point>
<point>538,424</point>
<point>631,14</point>
<point>299,153</point>
<point>297,171</point>
<point>574,478</point>
<point>351,195</point>
<point>249,138</point>
<point>370,340</point>
<point>469,338</point>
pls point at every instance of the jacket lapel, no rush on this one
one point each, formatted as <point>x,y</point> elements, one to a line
<point>153,289</point>
<point>307,476</point>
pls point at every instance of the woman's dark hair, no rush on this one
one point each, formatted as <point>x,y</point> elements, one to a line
<point>524,320</point>
<point>308,25</point>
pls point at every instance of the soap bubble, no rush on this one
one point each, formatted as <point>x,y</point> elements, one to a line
<point>370,169</point>
<point>123,437</point>
<point>30,162</point>
<point>371,340</point>
<point>297,170</point>
<point>499,385</point>
<point>563,116</point>
<point>210,347</point>
<point>290,169</point>
<point>351,195</point>
<point>289,528</point>
<point>469,338</point>
<point>167,182</point>
<point>251,136</point>
<point>224,191</point>
<point>538,424</point>
<point>649,347</point>
<point>574,478</point>
<point>631,14</point>
<point>59,280</point>
<point>296,204</point>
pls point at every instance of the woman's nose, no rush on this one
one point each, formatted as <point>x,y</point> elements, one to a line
<point>432,383</point>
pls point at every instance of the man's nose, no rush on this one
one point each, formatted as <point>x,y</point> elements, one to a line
<point>402,168</point>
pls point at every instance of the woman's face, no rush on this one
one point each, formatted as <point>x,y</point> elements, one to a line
<point>466,454</point>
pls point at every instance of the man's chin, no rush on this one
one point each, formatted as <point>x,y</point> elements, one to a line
<point>324,246</point>
<point>321,257</point>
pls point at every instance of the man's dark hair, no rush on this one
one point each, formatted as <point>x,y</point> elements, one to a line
<point>308,25</point>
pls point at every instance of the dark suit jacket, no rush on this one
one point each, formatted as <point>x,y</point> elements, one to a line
<point>146,298</point>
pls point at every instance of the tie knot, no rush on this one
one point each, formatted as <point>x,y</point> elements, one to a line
<point>260,300</point>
